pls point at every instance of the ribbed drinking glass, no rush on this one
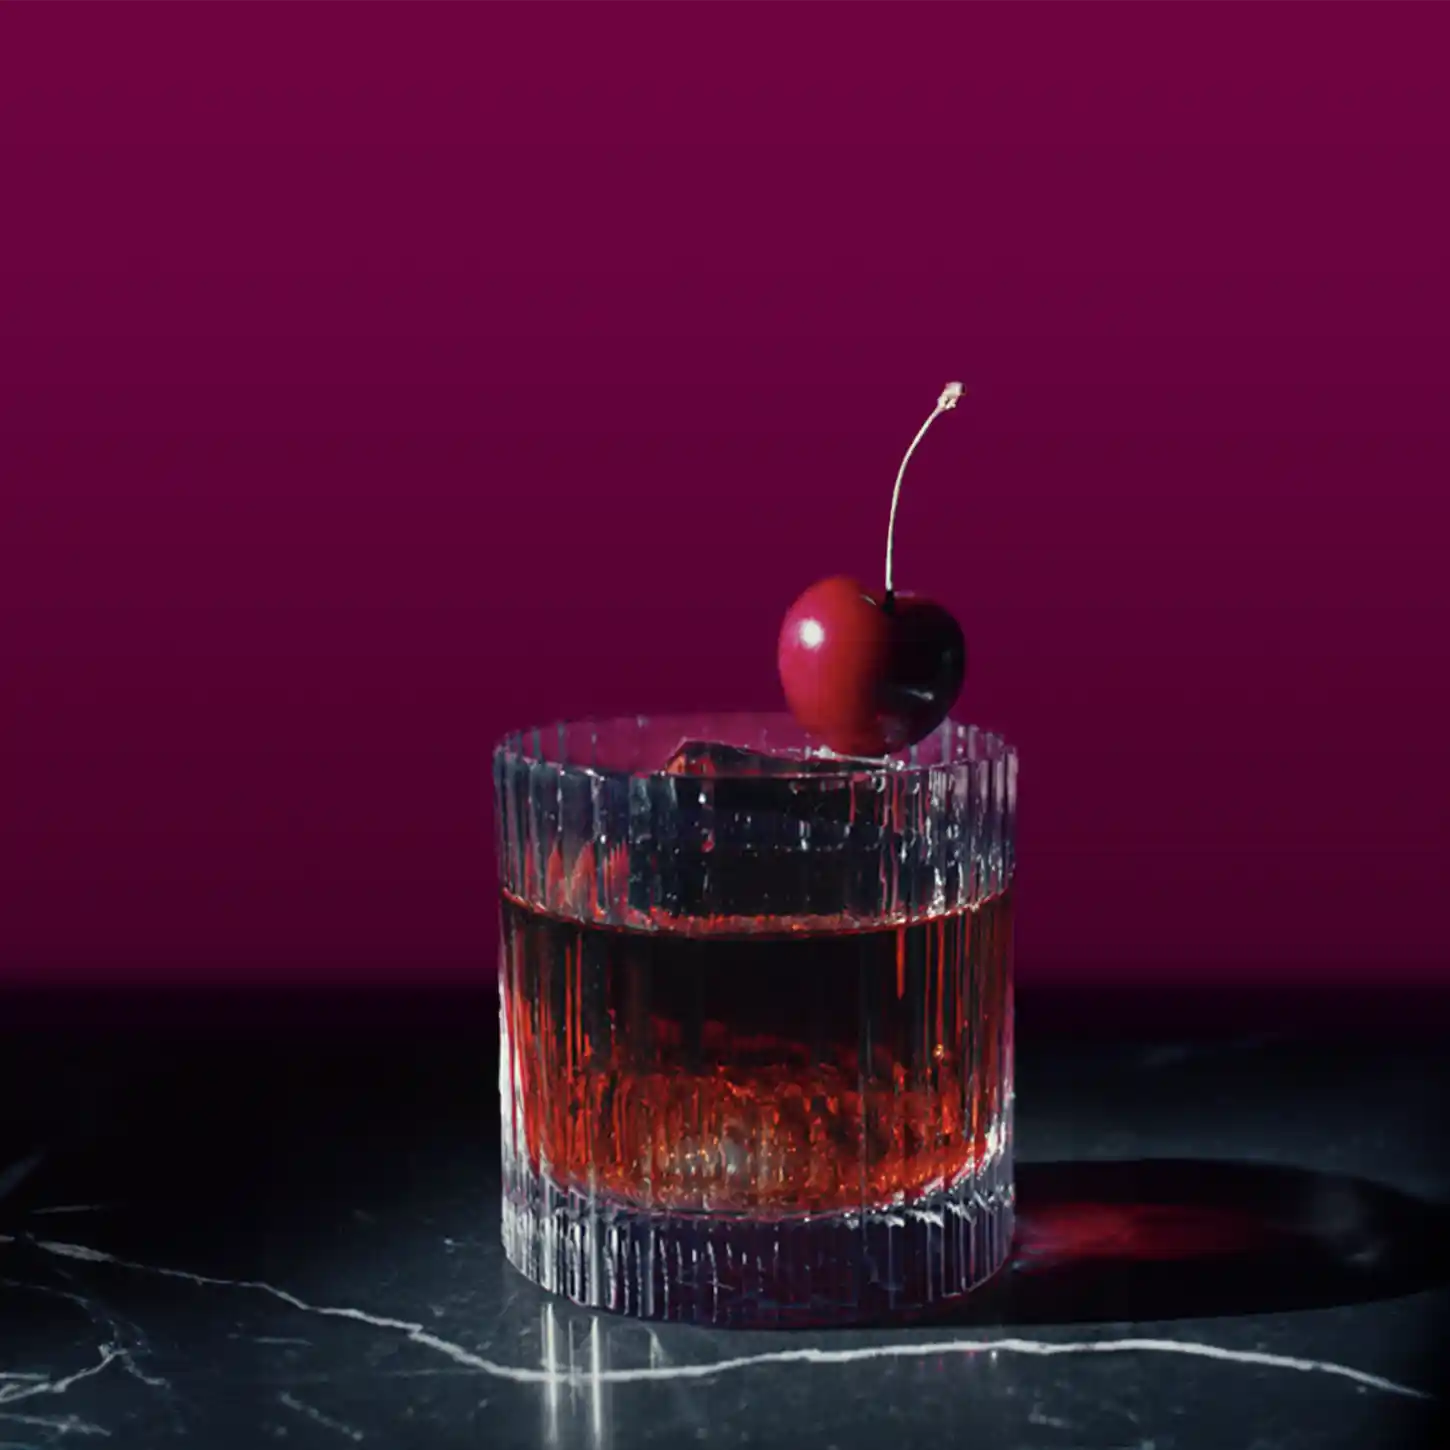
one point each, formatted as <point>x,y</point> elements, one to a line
<point>756,1018</point>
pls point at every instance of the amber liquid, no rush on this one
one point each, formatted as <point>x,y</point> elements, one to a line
<point>774,1073</point>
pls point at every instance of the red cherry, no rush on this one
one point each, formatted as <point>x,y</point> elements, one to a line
<point>869,676</point>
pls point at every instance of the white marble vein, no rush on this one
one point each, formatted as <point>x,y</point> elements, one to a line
<point>807,1354</point>
<point>59,1424</point>
<point>10,1393</point>
<point>312,1413</point>
<point>103,1320</point>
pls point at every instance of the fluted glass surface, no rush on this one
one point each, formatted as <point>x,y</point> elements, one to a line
<point>756,1018</point>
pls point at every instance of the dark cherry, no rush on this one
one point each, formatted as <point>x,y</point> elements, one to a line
<point>871,673</point>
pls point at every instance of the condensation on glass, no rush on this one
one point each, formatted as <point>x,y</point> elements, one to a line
<point>756,1018</point>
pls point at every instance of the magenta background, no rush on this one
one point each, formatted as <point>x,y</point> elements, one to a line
<point>373,379</point>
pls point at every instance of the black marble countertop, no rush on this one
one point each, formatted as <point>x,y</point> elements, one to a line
<point>274,1222</point>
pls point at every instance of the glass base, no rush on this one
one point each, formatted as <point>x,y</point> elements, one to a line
<point>728,1270</point>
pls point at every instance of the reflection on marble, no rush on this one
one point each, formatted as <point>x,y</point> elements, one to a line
<point>555,1373</point>
<point>582,1356</point>
<point>1179,1284</point>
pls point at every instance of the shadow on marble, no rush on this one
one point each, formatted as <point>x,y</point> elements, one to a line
<point>1162,1239</point>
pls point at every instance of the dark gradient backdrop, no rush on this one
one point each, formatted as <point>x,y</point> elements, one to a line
<point>377,378</point>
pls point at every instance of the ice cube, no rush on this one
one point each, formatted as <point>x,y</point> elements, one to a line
<point>749,833</point>
<point>757,792</point>
<point>711,758</point>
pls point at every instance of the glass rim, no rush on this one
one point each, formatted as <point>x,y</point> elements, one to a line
<point>952,745</point>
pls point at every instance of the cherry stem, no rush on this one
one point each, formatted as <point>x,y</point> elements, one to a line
<point>948,400</point>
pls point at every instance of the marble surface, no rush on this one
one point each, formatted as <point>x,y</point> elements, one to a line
<point>281,1229</point>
